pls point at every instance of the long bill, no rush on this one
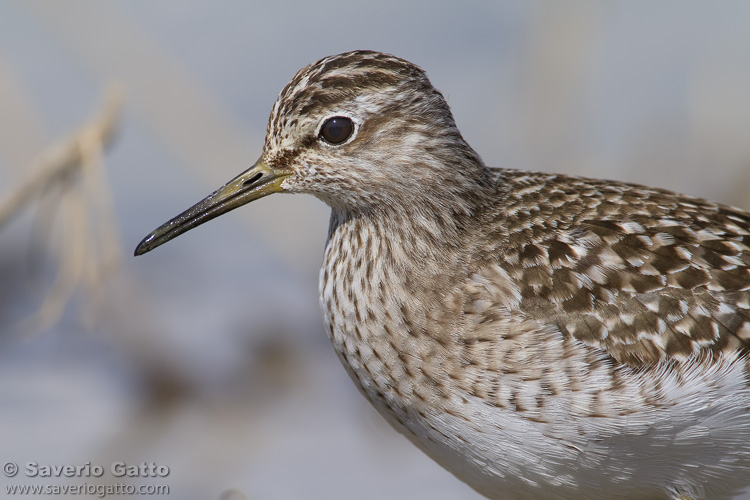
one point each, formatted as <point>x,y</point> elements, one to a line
<point>254,183</point>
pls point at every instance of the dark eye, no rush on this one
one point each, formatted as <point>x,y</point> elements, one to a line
<point>337,129</point>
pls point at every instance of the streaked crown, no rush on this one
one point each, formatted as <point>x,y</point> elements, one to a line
<point>397,131</point>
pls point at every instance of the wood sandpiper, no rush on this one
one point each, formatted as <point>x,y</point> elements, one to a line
<point>540,336</point>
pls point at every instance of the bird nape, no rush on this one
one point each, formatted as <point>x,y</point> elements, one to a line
<point>539,336</point>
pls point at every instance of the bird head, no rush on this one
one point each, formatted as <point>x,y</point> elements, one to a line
<point>363,131</point>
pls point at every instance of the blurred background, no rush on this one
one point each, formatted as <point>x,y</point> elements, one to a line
<point>209,355</point>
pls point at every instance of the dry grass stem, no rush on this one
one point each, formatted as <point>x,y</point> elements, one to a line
<point>69,186</point>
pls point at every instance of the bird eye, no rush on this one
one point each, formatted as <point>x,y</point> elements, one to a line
<point>337,129</point>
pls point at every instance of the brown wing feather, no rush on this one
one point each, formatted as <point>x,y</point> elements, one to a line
<point>643,274</point>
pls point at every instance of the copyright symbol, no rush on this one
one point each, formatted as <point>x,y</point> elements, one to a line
<point>10,469</point>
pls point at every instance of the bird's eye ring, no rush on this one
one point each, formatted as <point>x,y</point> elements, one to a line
<point>337,129</point>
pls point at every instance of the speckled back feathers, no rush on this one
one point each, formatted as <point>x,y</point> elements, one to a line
<point>642,273</point>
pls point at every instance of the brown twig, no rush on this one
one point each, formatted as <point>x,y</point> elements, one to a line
<point>65,157</point>
<point>88,225</point>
